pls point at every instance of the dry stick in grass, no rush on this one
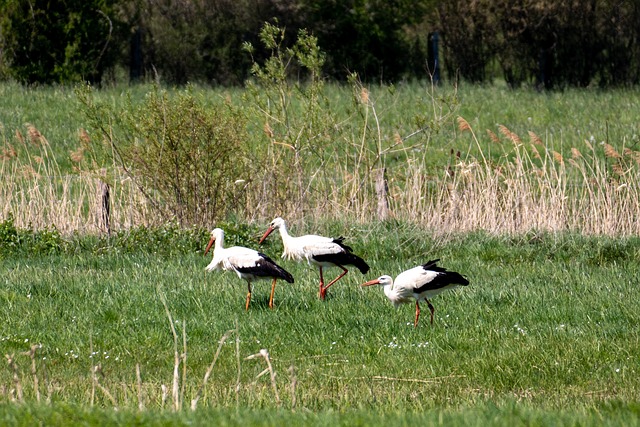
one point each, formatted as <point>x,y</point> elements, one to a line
<point>238,364</point>
<point>93,377</point>
<point>184,359</point>
<point>98,370</point>
<point>294,382</point>
<point>409,380</point>
<point>164,394</point>
<point>32,355</point>
<point>265,354</point>
<point>139,382</point>
<point>176,365</point>
<point>194,402</point>
<point>16,379</point>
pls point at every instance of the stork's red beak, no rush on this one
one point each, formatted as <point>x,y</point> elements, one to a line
<point>371,282</point>
<point>266,234</point>
<point>213,239</point>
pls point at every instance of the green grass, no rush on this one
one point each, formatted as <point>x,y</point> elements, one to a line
<point>544,335</point>
<point>563,119</point>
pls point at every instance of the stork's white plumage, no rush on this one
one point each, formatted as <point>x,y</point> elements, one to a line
<point>248,264</point>
<point>419,283</point>
<point>318,250</point>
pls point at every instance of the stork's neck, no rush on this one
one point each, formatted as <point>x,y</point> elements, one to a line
<point>291,250</point>
<point>219,243</point>
<point>286,238</point>
<point>392,294</point>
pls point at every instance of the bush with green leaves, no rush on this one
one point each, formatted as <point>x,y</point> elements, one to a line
<point>185,155</point>
<point>15,241</point>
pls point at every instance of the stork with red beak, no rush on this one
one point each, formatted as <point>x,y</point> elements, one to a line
<point>318,250</point>
<point>248,264</point>
<point>419,283</point>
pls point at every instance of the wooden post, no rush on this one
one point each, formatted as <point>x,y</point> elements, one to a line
<point>382,190</point>
<point>105,207</point>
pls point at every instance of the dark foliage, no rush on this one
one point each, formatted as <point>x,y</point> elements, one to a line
<point>58,41</point>
<point>538,42</point>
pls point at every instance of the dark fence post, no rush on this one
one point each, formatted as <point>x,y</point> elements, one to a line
<point>433,60</point>
<point>136,64</point>
<point>105,206</point>
<point>382,189</point>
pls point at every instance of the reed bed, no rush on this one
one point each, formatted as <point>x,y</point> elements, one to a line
<point>530,187</point>
<point>38,195</point>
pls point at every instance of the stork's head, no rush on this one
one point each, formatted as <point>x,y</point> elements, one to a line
<point>216,234</point>
<point>275,224</point>
<point>382,281</point>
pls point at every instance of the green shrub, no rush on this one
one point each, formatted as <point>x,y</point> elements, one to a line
<point>8,235</point>
<point>185,156</point>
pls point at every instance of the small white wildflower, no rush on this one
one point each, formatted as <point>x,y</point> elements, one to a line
<point>617,369</point>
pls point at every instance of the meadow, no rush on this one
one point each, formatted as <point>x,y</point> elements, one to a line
<point>105,331</point>
<point>539,210</point>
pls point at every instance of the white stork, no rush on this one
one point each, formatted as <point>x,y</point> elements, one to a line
<point>318,250</point>
<point>247,263</point>
<point>419,283</point>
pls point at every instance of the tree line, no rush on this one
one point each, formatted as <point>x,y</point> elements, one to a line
<point>545,43</point>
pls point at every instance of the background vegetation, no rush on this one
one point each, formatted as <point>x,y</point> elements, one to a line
<point>453,159</point>
<point>534,42</point>
<point>532,196</point>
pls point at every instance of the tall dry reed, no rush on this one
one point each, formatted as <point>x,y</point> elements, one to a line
<point>529,186</point>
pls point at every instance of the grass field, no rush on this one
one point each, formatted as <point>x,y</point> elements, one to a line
<point>540,211</point>
<point>544,335</point>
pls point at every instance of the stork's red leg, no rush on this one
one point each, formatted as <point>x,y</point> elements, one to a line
<point>321,294</point>
<point>415,322</point>
<point>432,310</point>
<point>344,271</point>
<point>273,289</point>
<point>246,306</point>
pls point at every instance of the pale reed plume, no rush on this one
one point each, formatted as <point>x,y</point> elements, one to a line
<point>83,135</point>
<point>35,136</point>
<point>535,139</point>
<point>536,154</point>
<point>364,96</point>
<point>511,135</point>
<point>463,125</point>
<point>493,137</point>
<point>267,130</point>
<point>575,153</point>
<point>611,152</point>
<point>77,156</point>
<point>19,136</point>
<point>618,169</point>
<point>9,152</point>
<point>635,155</point>
<point>558,157</point>
<point>588,144</point>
